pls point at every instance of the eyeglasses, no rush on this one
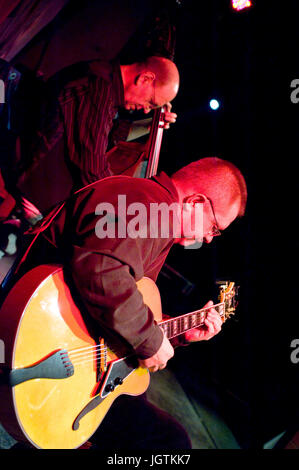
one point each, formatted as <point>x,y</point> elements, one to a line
<point>215,231</point>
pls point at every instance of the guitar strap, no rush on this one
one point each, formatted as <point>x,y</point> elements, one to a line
<point>24,252</point>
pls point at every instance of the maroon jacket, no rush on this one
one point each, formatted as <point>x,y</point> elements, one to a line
<point>105,271</point>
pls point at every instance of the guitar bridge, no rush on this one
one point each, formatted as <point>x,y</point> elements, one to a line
<point>102,363</point>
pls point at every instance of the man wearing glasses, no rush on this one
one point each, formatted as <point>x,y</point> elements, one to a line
<point>96,262</point>
<point>71,148</point>
<point>104,272</point>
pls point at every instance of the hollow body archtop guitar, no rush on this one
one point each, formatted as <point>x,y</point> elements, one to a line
<point>60,380</point>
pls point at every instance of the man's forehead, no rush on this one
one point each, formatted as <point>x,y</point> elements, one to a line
<point>165,93</point>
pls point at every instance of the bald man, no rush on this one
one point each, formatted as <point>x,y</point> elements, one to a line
<point>70,151</point>
<point>104,262</point>
<point>150,84</point>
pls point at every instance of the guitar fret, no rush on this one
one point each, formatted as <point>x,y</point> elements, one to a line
<point>164,328</point>
<point>179,325</point>
<point>175,328</point>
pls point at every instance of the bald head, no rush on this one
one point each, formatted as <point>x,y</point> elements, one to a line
<point>166,75</point>
<point>218,179</point>
<point>150,84</point>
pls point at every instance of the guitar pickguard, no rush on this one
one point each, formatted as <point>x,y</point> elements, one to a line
<point>117,372</point>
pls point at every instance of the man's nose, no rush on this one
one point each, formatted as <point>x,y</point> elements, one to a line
<point>208,238</point>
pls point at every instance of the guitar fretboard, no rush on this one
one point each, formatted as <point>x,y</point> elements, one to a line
<point>176,326</point>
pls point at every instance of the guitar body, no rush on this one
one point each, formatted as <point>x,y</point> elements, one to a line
<point>38,319</point>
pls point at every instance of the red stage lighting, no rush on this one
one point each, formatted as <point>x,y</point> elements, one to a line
<point>241,4</point>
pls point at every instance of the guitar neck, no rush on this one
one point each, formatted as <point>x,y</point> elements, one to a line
<point>176,326</point>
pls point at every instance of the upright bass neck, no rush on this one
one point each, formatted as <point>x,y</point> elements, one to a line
<point>155,140</point>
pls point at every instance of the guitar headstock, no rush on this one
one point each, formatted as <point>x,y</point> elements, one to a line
<point>228,296</point>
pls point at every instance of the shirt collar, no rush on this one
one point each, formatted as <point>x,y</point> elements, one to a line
<point>110,71</point>
<point>117,84</point>
<point>164,180</point>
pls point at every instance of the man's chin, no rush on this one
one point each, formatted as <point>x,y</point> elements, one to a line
<point>186,241</point>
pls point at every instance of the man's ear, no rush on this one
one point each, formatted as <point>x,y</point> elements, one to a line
<point>145,78</point>
<point>195,198</point>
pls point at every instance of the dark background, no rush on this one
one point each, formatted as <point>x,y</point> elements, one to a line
<point>247,60</point>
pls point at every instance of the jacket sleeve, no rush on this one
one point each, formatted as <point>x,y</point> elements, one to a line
<point>108,290</point>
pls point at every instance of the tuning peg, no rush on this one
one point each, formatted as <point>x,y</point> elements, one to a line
<point>222,283</point>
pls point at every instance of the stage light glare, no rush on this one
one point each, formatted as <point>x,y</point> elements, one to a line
<point>241,4</point>
<point>214,104</point>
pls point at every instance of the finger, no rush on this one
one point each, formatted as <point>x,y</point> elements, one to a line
<point>210,326</point>
<point>193,335</point>
<point>213,323</point>
<point>213,314</point>
<point>166,123</point>
<point>170,117</point>
<point>168,106</point>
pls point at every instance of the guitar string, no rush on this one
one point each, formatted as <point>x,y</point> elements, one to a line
<point>83,348</point>
<point>100,353</point>
<point>91,354</point>
<point>76,351</point>
<point>88,349</point>
<point>84,358</point>
<point>88,359</point>
<point>85,352</point>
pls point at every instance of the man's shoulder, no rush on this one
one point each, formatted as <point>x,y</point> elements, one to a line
<point>134,189</point>
<point>103,69</point>
<point>117,184</point>
<point>82,73</point>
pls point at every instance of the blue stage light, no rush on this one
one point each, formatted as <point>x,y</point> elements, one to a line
<point>214,104</point>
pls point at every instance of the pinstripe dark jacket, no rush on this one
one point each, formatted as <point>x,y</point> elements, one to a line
<point>70,148</point>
